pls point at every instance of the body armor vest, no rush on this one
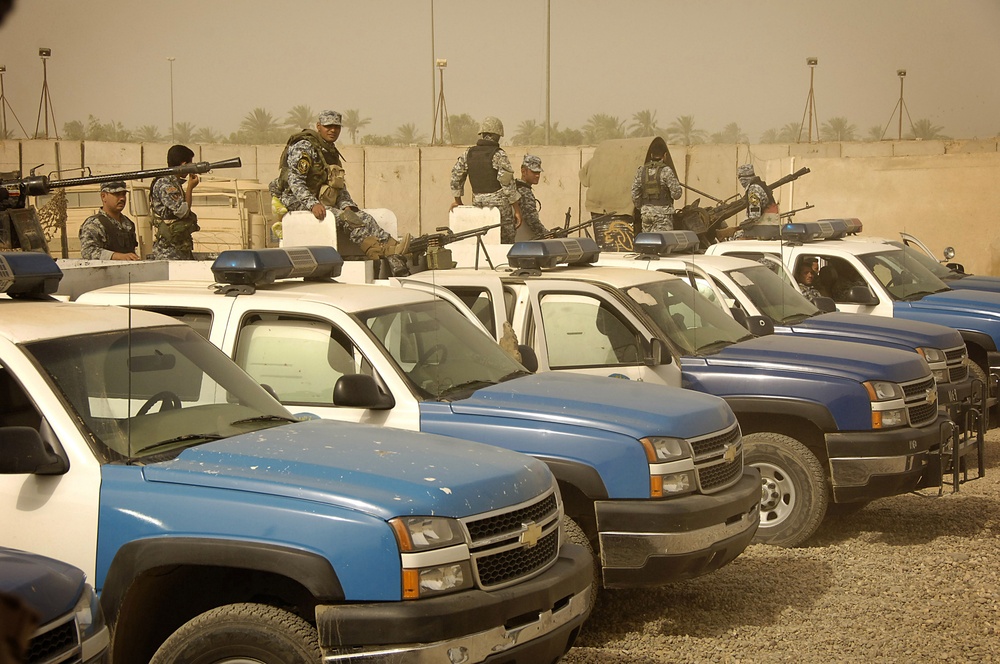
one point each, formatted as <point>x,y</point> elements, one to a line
<point>119,239</point>
<point>482,175</point>
<point>318,174</point>
<point>653,192</point>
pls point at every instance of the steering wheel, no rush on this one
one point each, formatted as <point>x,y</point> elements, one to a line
<point>168,399</point>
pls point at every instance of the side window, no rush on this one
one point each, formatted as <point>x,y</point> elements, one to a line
<point>16,409</point>
<point>582,331</point>
<point>478,300</point>
<point>836,278</point>
<point>299,359</point>
<point>199,319</point>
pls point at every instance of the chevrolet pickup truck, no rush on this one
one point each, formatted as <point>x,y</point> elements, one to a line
<point>823,420</point>
<point>218,527</point>
<point>653,476</point>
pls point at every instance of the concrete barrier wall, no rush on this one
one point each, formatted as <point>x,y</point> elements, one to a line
<point>945,192</point>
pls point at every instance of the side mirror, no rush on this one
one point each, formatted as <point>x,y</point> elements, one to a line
<point>861,295</point>
<point>360,391</point>
<point>760,326</point>
<point>825,304</point>
<point>24,451</point>
<point>659,353</point>
<point>957,267</point>
<point>528,357</point>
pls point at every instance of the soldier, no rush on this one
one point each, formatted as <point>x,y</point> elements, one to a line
<point>805,277</point>
<point>170,203</point>
<point>654,190</point>
<point>312,177</point>
<point>491,177</point>
<point>109,235</point>
<point>761,206</point>
<point>531,168</point>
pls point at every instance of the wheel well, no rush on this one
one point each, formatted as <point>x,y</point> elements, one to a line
<point>580,508</point>
<point>798,428</point>
<point>977,354</point>
<point>162,599</point>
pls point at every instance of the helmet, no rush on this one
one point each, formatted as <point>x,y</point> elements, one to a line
<point>491,125</point>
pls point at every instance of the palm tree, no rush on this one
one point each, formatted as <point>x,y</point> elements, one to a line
<point>184,132</point>
<point>875,133</point>
<point>148,134</point>
<point>790,132</point>
<point>300,117</point>
<point>602,127</point>
<point>72,131</point>
<point>643,124</point>
<point>838,129</point>
<point>526,132</point>
<point>565,136</point>
<point>259,126</point>
<point>464,129</point>
<point>731,133</point>
<point>682,132</point>
<point>407,134</point>
<point>353,123</point>
<point>924,130</point>
<point>207,135</point>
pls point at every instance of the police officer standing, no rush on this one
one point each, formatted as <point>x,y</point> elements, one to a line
<point>761,206</point>
<point>491,177</point>
<point>311,177</point>
<point>109,235</point>
<point>170,203</point>
<point>654,190</point>
<point>531,170</point>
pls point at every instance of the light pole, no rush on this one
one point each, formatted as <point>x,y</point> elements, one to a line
<point>171,61</point>
<point>45,104</point>
<point>810,104</point>
<point>901,107</point>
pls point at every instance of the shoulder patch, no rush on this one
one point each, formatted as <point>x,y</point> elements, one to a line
<point>304,165</point>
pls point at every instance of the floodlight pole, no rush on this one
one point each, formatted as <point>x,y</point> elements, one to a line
<point>900,106</point>
<point>810,103</point>
<point>441,109</point>
<point>45,103</point>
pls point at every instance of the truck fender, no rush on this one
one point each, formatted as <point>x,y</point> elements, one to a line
<point>816,413</point>
<point>585,478</point>
<point>312,571</point>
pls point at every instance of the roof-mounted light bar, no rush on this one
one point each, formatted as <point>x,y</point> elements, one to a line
<point>259,267</point>
<point>541,254</point>
<point>807,231</point>
<point>663,243</point>
<point>852,225</point>
<point>28,273</point>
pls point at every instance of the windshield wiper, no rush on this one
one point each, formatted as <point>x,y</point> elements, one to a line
<point>717,345</point>
<point>264,418</point>
<point>514,374</point>
<point>471,385</point>
<point>204,437</point>
<point>919,294</point>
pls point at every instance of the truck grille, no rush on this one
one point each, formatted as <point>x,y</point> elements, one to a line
<point>958,370</point>
<point>715,470</point>
<point>55,643</point>
<point>920,410</point>
<point>511,545</point>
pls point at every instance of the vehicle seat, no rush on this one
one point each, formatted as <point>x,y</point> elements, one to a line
<point>826,279</point>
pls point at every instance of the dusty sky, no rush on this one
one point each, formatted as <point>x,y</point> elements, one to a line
<point>720,61</point>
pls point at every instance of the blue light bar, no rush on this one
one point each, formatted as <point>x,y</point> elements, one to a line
<point>28,273</point>
<point>258,267</point>
<point>662,243</point>
<point>851,225</point>
<point>800,231</point>
<point>540,254</point>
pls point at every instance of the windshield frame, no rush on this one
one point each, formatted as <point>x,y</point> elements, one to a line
<point>773,296</point>
<point>887,265</point>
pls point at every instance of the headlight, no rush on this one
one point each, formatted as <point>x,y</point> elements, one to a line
<point>660,448</point>
<point>90,623</point>
<point>885,419</point>
<point>881,390</point>
<point>437,580</point>
<point>933,355</point>
<point>421,533</point>
<point>671,484</point>
<point>434,555</point>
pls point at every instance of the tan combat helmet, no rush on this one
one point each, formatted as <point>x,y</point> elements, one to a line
<point>491,125</point>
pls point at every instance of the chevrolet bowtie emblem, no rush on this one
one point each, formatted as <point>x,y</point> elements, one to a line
<point>731,453</point>
<point>931,395</point>
<point>532,533</point>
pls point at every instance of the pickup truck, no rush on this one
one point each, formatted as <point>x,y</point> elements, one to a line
<point>822,420</point>
<point>653,476</point>
<point>871,277</point>
<point>63,607</point>
<point>218,527</point>
<point>951,273</point>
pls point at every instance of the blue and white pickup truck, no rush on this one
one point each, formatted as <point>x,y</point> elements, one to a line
<point>217,527</point>
<point>653,476</point>
<point>822,420</point>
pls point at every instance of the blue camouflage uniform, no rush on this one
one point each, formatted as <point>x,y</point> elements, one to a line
<point>174,220</point>
<point>529,204</point>
<point>654,189</point>
<point>502,198</point>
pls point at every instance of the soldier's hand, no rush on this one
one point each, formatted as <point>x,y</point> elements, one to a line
<point>319,211</point>
<point>118,256</point>
<point>454,204</point>
<point>193,181</point>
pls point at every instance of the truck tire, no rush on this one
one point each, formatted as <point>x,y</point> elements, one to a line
<point>575,534</point>
<point>793,488</point>
<point>242,633</point>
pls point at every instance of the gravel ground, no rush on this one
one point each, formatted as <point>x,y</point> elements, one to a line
<point>912,578</point>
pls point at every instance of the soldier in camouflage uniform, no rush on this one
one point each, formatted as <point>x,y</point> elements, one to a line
<point>531,168</point>
<point>761,206</point>
<point>654,190</point>
<point>312,177</point>
<point>491,177</point>
<point>805,277</point>
<point>170,203</point>
<point>109,235</point>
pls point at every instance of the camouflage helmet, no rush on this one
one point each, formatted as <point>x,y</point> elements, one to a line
<point>491,125</point>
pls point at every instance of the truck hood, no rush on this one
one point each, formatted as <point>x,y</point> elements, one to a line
<point>49,586</point>
<point>380,471</point>
<point>976,282</point>
<point>627,407</point>
<point>862,327</point>
<point>820,357</point>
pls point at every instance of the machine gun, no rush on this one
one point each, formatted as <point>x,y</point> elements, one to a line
<point>705,221</point>
<point>19,225</point>
<point>791,213</point>
<point>429,248</point>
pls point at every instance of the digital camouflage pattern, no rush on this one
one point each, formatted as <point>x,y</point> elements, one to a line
<point>656,217</point>
<point>502,199</point>
<point>93,238</point>
<point>173,219</point>
<point>529,210</point>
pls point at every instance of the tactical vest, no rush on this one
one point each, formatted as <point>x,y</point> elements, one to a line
<point>653,192</point>
<point>483,177</point>
<point>767,190</point>
<point>119,239</point>
<point>318,174</point>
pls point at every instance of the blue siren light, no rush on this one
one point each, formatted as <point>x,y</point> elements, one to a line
<point>541,254</point>
<point>258,267</point>
<point>662,243</point>
<point>28,273</point>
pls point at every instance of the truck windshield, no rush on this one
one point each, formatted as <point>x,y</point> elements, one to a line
<point>154,391</point>
<point>902,275</point>
<point>439,350</point>
<point>916,255</point>
<point>686,317</point>
<point>773,296</point>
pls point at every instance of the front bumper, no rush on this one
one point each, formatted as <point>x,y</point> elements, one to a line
<point>535,620</point>
<point>652,542</point>
<point>865,465</point>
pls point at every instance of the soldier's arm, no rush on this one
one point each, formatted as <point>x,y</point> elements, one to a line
<point>172,197</point>
<point>92,241</point>
<point>299,161</point>
<point>672,183</point>
<point>637,188</point>
<point>458,174</point>
<point>505,176</point>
